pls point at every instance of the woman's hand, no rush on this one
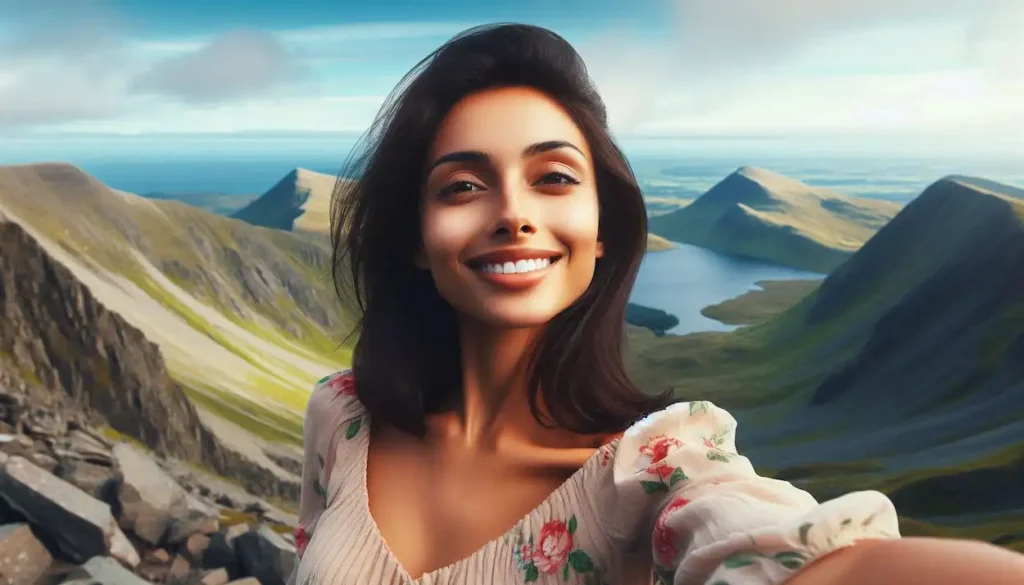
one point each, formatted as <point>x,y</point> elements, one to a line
<point>912,561</point>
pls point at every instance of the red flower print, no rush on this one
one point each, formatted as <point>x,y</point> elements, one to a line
<point>657,448</point>
<point>662,470</point>
<point>553,547</point>
<point>343,385</point>
<point>606,456</point>
<point>709,444</point>
<point>301,539</point>
<point>663,538</point>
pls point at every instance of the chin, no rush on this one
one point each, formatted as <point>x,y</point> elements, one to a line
<point>522,314</point>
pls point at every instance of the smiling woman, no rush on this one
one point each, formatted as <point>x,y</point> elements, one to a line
<point>487,432</point>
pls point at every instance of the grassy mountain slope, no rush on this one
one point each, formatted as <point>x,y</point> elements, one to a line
<point>765,216</point>
<point>907,363</point>
<point>245,316</point>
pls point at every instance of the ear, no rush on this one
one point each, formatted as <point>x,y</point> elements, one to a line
<point>600,249</point>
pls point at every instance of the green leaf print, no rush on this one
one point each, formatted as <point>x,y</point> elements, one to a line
<point>324,379</point>
<point>580,561</point>
<point>804,529</point>
<point>740,559</point>
<point>653,487</point>
<point>565,572</point>
<point>677,476</point>
<point>572,524</point>
<point>790,559</point>
<point>718,456</point>
<point>699,405</point>
<point>532,573</point>
<point>353,428</point>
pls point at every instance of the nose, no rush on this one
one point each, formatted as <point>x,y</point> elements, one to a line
<point>514,218</point>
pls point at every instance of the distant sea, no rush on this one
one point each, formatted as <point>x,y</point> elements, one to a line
<point>893,179</point>
<point>680,281</point>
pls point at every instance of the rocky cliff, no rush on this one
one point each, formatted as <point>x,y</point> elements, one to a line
<point>63,347</point>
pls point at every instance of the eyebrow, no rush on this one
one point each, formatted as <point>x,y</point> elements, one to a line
<point>478,156</point>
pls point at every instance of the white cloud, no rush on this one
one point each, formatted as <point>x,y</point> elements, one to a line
<point>239,63</point>
<point>332,113</point>
<point>813,66</point>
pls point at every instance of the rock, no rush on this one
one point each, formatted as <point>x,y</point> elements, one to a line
<point>43,461</point>
<point>158,556</point>
<point>105,571</point>
<point>68,520</point>
<point>150,500</point>
<point>245,581</point>
<point>3,457</point>
<point>200,518</point>
<point>263,554</point>
<point>90,478</point>
<point>214,577</point>
<point>179,570</point>
<point>122,549</point>
<point>195,547</point>
<point>220,553</point>
<point>16,444</point>
<point>225,500</point>
<point>154,572</point>
<point>23,559</point>
<point>86,444</point>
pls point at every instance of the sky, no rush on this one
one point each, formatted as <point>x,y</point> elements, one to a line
<point>877,75</point>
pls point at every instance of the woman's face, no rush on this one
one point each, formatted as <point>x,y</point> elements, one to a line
<point>510,209</point>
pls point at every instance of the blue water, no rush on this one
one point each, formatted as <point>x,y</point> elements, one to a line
<point>684,280</point>
<point>681,281</point>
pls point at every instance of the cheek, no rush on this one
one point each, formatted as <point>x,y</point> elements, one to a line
<point>445,234</point>
<point>577,225</point>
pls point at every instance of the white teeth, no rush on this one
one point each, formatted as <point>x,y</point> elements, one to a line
<point>517,267</point>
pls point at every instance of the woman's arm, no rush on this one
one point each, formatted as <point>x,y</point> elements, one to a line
<point>913,561</point>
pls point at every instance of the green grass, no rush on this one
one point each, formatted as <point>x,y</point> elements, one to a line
<point>774,297</point>
<point>273,425</point>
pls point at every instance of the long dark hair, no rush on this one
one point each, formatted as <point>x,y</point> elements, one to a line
<point>406,360</point>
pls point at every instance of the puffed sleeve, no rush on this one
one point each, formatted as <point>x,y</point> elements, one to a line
<point>713,520</point>
<point>326,407</point>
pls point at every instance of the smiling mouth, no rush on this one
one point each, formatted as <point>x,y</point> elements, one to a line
<point>521,266</point>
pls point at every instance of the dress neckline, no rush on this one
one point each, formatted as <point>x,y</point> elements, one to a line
<point>364,503</point>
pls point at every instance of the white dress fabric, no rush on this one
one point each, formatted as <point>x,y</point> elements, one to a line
<point>671,493</point>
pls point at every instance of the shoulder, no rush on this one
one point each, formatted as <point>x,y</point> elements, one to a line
<point>681,442</point>
<point>697,421</point>
<point>332,401</point>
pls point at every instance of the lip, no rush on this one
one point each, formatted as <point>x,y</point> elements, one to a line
<point>511,255</point>
<point>514,281</point>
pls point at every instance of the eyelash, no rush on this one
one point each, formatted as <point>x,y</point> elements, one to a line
<point>450,189</point>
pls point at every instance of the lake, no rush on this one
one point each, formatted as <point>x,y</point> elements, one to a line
<point>684,280</point>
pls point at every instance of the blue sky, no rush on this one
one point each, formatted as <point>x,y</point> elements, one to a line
<point>885,75</point>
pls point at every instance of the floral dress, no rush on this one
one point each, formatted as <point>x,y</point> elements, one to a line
<point>670,502</point>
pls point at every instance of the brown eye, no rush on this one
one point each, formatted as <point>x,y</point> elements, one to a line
<point>558,179</point>
<point>457,188</point>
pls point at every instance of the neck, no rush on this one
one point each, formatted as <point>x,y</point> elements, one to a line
<point>494,383</point>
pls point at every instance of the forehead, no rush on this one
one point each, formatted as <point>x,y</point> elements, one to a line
<point>503,121</point>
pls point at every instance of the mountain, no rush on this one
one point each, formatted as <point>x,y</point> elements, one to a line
<point>906,364</point>
<point>69,352</point>
<point>301,201</point>
<point>246,318</point>
<point>218,203</point>
<point>762,215</point>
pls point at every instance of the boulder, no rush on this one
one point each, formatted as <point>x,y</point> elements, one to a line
<point>214,577</point>
<point>220,553</point>
<point>195,547</point>
<point>104,570</point>
<point>149,499</point>
<point>179,570</point>
<point>91,478</point>
<point>23,559</point>
<point>264,554</point>
<point>69,521</point>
